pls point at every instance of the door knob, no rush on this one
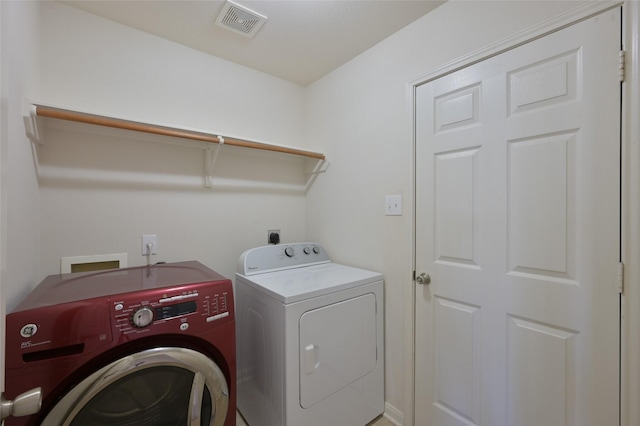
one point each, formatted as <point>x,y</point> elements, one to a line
<point>24,404</point>
<point>423,278</point>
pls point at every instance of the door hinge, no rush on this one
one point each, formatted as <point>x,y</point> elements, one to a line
<point>621,61</point>
<point>620,280</point>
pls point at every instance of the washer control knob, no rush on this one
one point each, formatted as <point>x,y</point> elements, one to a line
<point>289,251</point>
<point>316,249</point>
<point>142,317</point>
<point>306,250</point>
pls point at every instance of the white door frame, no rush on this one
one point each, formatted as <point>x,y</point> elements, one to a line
<point>630,353</point>
<point>3,212</point>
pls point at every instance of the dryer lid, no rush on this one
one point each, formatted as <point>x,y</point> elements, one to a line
<point>293,285</point>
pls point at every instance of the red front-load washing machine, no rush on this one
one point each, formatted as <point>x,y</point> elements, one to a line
<point>152,345</point>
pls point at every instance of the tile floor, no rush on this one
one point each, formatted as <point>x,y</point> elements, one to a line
<point>380,421</point>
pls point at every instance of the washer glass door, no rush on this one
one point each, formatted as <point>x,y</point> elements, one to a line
<point>162,386</point>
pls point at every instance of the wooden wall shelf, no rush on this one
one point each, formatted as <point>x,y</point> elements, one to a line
<point>38,110</point>
<point>99,120</point>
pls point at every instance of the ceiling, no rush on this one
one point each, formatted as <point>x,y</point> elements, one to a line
<point>301,41</point>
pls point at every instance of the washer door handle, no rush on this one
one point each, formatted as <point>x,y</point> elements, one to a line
<point>23,405</point>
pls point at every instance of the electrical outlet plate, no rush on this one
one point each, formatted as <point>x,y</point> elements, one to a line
<point>270,236</point>
<point>393,205</point>
<point>153,239</point>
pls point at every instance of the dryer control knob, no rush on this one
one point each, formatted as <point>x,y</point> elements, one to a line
<point>142,317</point>
<point>289,251</point>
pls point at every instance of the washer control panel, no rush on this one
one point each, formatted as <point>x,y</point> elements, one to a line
<point>282,256</point>
<point>172,310</point>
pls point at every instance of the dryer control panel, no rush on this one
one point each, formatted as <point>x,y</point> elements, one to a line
<point>273,258</point>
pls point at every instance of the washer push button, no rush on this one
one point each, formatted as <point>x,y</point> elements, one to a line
<point>217,317</point>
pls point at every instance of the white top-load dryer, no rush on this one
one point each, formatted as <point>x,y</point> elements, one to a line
<point>309,338</point>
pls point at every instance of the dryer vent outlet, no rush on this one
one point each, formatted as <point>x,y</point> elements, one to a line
<point>273,236</point>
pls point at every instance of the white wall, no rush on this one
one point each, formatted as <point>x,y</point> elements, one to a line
<point>360,114</point>
<point>19,204</point>
<point>100,192</point>
<point>19,197</point>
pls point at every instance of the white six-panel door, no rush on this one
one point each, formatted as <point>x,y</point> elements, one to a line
<point>517,224</point>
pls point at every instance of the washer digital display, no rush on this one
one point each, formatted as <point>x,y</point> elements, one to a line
<point>172,311</point>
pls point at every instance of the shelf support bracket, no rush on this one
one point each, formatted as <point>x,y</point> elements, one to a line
<point>32,126</point>
<point>211,156</point>
<point>319,166</point>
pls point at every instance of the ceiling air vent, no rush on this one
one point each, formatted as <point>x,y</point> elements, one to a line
<point>240,19</point>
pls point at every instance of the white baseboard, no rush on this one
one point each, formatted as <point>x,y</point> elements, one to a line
<point>392,414</point>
